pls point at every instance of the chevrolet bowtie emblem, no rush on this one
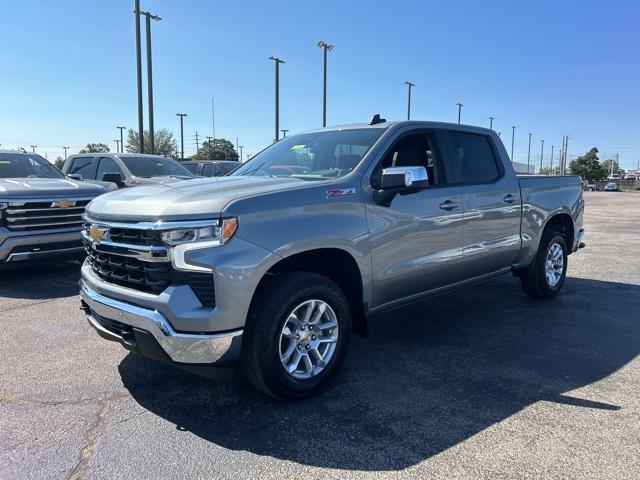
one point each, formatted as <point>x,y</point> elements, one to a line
<point>63,204</point>
<point>98,233</point>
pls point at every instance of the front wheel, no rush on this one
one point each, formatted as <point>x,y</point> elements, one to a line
<point>296,335</point>
<point>545,276</point>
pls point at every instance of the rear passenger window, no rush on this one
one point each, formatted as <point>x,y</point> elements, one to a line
<point>208,170</point>
<point>82,166</point>
<point>475,161</point>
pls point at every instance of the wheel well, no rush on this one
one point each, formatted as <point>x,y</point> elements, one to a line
<point>563,224</point>
<point>335,264</point>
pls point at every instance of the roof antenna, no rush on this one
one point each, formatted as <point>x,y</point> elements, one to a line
<point>376,119</point>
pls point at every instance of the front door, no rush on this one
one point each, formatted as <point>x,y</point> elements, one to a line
<point>416,241</point>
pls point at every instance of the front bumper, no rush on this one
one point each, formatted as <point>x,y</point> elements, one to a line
<point>35,246</point>
<point>134,327</point>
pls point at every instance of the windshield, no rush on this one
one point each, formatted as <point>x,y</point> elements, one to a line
<point>155,167</point>
<point>192,167</point>
<point>313,156</point>
<point>26,165</point>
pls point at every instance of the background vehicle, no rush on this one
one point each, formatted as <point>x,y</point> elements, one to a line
<point>211,168</point>
<point>631,176</point>
<point>276,270</point>
<point>40,209</point>
<point>612,187</point>
<point>125,169</point>
<point>614,177</point>
<point>592,187</point>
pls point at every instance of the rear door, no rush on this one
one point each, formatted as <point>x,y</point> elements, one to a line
<point>491,203</point>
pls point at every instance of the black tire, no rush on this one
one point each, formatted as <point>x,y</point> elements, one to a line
<point>260,359</point>
<point>533,278</point>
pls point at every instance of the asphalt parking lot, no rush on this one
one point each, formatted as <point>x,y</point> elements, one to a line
<point>479,383</point>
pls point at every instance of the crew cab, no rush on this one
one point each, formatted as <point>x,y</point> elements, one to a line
<point>124,169</point>
<point>40,210</point>
<point>211,168</point>
<point>276,264</point>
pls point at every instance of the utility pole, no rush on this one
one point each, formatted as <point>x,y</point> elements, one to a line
<point>326,49</point>
<point>121,138</point>
<point>541,153</point>
<point>241,147</point>
<point>491,119</point>
<point>566,154</point>
<point>284,133</point>
<point>210,142</point>
<point>237,149</point>
<point>65,152</point>
<point>513,137</point>
<point>409,84</point>
<point>33,148</point>
<point>277,61</point>
<point>551,162</point>
<point>529,154</point>
<point>213,119</point>
<point>181,115</point>
<point>149,16</point>
<point>197,141</point>
<point>139,76</point>
<point>459,111</point>
<point>117,145</point>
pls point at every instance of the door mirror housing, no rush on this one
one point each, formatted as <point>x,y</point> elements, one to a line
<point>113,177</point>
<point>76,176</point>
<point>400,180</point>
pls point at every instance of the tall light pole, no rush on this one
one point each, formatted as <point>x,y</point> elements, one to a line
<point>410,85</point>
<point>240,147</point>
<point>277,61</point>
<point>65,152</point>
<point>551,162</point>
<point>541,154</point>
<point>529,154</point>
<point>121,138</point>
<point>213,119</point>
<point>117,144</point>
<point>284,133</point>
<point>139,76</point>
<point>513,137</point>
<point>459,111</point>
<point>149,16</point>
<point>33,148</point>
<point>181,115</point>
<point>491,119</point>
<point>326,49</point>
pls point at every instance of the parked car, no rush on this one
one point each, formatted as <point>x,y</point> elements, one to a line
<point>592,187</point>
<point>40,210</point>
<point>124,169</point>
<point>612,187</point>
<point>211,168</point>
<point>615,177</point>
<point>277,269</point>
<point>631,177</point>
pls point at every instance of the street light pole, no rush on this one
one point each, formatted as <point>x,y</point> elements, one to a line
<point>326,49</point>
<point>409,84</point>
<point>65,152</point>
<point>459,111</point>
<point>121,138</point>
<point>541,153</point>
<point>240,147</point>
<point>491,123</point>
<point>551,162</point>
<point>513,137</point>
<point>139,76</point>
<point>149,16</point>
<point>181,115</point>
<point>117,144</point>
<point>529,154</point>
<point>33,148</point>
<point>284,133</point>
<point>277,61</point>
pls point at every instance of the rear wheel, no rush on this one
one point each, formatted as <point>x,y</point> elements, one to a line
<point>545,276</point>
<point>296,335</point>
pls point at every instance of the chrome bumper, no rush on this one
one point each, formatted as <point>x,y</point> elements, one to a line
<point>190,348</point>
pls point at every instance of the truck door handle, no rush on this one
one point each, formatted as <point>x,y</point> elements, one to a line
<point>509,198</point>
<point>449,205</point>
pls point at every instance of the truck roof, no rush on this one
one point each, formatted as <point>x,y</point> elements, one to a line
<point>412,123</point>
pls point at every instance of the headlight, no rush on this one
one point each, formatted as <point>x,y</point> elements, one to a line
<point>219,232</point>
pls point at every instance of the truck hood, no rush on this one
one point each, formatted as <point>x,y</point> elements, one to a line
<point>47,187</point>
<point>160,180</point>
<point>190,199</point>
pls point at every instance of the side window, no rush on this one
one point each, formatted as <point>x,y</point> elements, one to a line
<point>107,165</point>
<point>475,161</point>
<point>208,170</point>
<point>82,166</point>
<point>413,150</point>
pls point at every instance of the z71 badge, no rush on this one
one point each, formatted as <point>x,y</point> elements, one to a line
<point>340,192</point>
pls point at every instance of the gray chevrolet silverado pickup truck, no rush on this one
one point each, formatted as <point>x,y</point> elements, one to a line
<point>277,264</point>
<point>40,210</point>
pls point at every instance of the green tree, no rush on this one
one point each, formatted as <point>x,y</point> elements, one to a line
<point>547,171</point>
<point>59,163</point>
<point>216,149</point>
<point>95,148</point>
<point>588,166</point>
<point>164,143</point>
<point>616,168</point>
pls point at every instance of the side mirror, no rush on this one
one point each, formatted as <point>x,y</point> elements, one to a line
<point>400,180</point>
<point>113,177</point>
<point>76,176</point>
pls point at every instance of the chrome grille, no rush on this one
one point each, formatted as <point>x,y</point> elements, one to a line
<point>44,215</point>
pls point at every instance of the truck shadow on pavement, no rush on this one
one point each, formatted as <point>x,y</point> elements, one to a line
<point>426,378</point>
<point>41,281</point>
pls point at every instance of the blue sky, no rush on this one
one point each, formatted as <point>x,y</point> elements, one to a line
<point>548,67</point>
